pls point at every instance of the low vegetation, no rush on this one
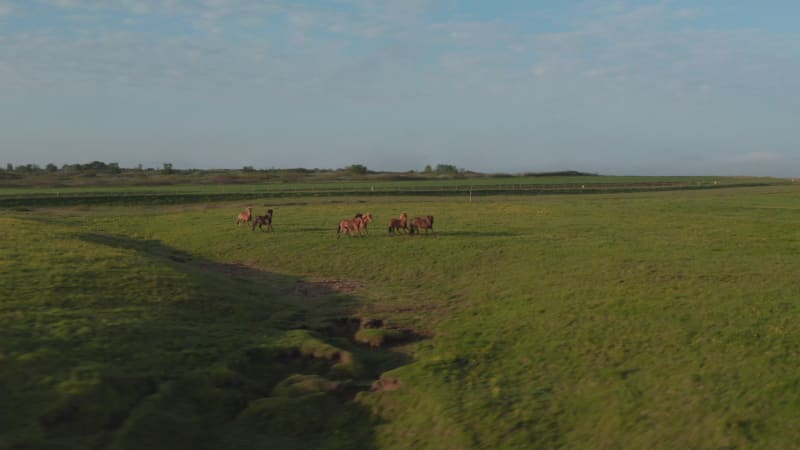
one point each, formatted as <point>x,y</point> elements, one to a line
<point>98,173</point>
<point>136,187</point>
<point>626,320</point>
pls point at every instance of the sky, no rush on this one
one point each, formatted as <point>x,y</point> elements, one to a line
<point>667,87</point>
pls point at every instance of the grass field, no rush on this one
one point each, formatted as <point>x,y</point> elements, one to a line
<point>635,320</point>
<point>366,183</point>
<point>30,194</point>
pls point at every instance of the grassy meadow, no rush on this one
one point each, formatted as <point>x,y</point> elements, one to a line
<point>606,321</point>
<point>44,190</point>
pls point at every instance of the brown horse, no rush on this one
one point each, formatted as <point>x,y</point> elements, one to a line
<point>395,225</point>
<point>266,219</point>
<point>420,223</point>
<point>350,226</point>
<point>365,220</point>
<point>246,216</point>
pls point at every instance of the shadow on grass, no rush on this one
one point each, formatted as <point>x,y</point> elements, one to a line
<point>240,358</point>
<point>457,233</point>
<point>331,229</point>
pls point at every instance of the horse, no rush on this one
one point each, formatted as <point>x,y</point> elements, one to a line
<point>396,224</point>
<point>350,226</point>
<point>245,216</point>
<point>365,220</point>
<point>266,219</point>
<point>425,223</point>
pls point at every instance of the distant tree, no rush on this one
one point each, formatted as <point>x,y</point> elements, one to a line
<point>446,169</point>
<point>9,167</point>
<point>51,167</point>
<point>428,169</point>
<point>139,167</point>
<point>167,168</point>
<point>358,169</point>
<point>114,168</point>
<point>27,168</point>
<point>95,165</point>
<point>248,169</point>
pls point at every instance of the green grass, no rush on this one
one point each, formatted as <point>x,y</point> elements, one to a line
<point>649,320</point>
<point>378,184</point>
<point>24,198</point>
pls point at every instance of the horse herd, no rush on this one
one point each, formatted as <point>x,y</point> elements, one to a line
<point>247,216</point>
<point>357,226</point>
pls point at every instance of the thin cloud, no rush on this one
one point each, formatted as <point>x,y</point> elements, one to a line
<point>7,9</point>
<point>689,13</point>
<point>757,158</point>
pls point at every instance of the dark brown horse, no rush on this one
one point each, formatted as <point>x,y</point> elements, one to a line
<point>266,219</point>
<point>422,223</point>
<point>395,225</point>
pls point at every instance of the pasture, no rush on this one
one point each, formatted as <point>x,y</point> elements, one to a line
<point>28,192</point>
<point>628,320</point>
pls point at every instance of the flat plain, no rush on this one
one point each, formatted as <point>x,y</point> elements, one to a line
<point>627,320</point>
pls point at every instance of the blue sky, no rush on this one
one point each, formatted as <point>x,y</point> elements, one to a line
<point>614,87</point>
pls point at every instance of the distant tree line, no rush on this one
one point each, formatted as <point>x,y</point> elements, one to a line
<point>167,168</point>
<point>113,168</point>
<point>94,166</point>
<point>91,167</point>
